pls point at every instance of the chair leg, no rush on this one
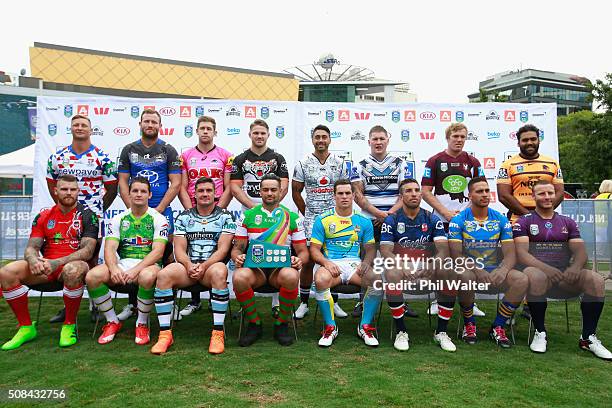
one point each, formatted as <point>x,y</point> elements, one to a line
<point>459,318</point>
<point>93,335</point>
<point>39,305</point>
<point>294,323</point>
<point>241,323</point>
<point>428,309</point>
<point>314,319</point>
<point>229,310</point>
<point>529,331</point>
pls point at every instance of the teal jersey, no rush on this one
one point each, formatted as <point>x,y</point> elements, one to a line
<point>342,237</point>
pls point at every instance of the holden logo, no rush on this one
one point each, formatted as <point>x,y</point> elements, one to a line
<point>427,116</point>
<point>323,181</point>
<point>150,175</point>
<point>121,131</point>
<point>167,111</point>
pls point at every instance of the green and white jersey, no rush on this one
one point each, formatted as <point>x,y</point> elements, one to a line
<point>280,227</point>
<point>136,235</point>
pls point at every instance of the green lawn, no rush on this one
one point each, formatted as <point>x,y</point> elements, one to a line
<point>347,374</point>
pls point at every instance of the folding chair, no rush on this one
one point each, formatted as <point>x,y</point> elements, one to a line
<point>45,287</point>
<point>197,287</point>
<point>126,289</point>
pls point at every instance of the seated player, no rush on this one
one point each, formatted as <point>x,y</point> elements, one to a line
<point>202,241</point>
<point>335,247</point>
<point>549,246</point>
<point>273,223</point>
<point>418,235</point>
<point>139,235</point>
<point>475,235</point>
<point>66,234</point>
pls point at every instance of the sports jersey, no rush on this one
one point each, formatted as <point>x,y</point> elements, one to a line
<point>548,238</point>
<point>92,169</point>
<point>380,179</point>
<point>62,233</point>
<point>136,235</point>
<point>251,167</point>
<point>341,237</point>
<point>154,163</point>
<point>258,221</point>
<point>412,237</point>
<point>449,177</point>
<point>522,174</point>
<point>319,179</point>
<point>481,238</point>
<point>212,164</point>
<point>203,231</point>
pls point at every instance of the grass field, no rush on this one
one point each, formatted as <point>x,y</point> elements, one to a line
<point>303,375</point>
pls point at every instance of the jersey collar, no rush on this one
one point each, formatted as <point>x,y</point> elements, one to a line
<point>78,156</point>
<point>198,149</point>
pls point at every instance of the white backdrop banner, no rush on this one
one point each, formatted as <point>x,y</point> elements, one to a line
<point>417,130</point>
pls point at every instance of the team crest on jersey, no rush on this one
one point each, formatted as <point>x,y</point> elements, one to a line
<point>401,227</point>
<point>564,230</point>
<point>548,225</point>
<point>125,224</point>
<point>332,228</point>
<point>133,157</point>
<point>191,223</point>
<point>533,229</point>
<point>443,166</point>
<point>424,227</point>
<point>67,111</point>
<point>357,228</point>
<point>76,224</point>
<point>192,162</point>
<point>465,166</point>
<point>519,169</point>
<point>258,219</point>
<point>51,224</point>
<point>258,168</point>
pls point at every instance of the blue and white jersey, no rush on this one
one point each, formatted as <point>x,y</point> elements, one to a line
<point>412,237</point>
<point>380,180</point>
<point>203,232</point>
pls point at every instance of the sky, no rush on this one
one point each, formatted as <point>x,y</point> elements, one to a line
<point>441,48</point>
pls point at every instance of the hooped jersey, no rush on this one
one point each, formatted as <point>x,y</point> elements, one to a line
<point>412,237</point>
<point>202,232</point>
<point>257,222</point>
<point>93,169</point>
<point>319,179</point>
<point>136,235</point>
<point>213,164</point>
<point>341,237</point>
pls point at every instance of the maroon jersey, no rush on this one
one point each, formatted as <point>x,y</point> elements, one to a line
<point>449,177</point>
<point>63,232</point>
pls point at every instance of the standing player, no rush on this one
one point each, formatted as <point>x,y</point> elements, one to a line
<point>336,247</point>
<point>139,236</point>
<point>256,222</point>
<point>475,234</point>
<point>205,160</point>
<point>317,173</point>
<point>550,247</point>
<point>202,243</point>
<point>376,180</point>
<point>419,235</point>
<point>159,163</point>
<point>95,173</point>
<point>66,234</point>
<point>445,181</point>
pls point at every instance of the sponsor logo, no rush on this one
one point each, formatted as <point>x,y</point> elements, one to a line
<point>280,132</point>
<point>541,134</point>
<point>454,184</point>
<point>250,111</point>
<point>474,114</point>
<point>409,116</point>
<point>318,113</point>
<point>471,136</point>
<point>134,111</point>
<point>459,116</point>
<point>232,111</point>
<point>492,115</point>
<point>148,107</point>
<point>121,131</point>
<point>427,116</point>
<point>362,115</point>
<point>52,129</point>
<point>427,135</point>
<point>489,162</point>
<point>280,110</point>
<point>119,109</point>
<point>97,131</point>
<point>166,131</point>
<point>358,135</point>
<point>215,110</point>
<point>199,111</point>
<point>405,135</point>
<point>395,116</point>
<point>534,229</point>
<point>445,116</point>
<point>329,115</point>
<point>539,114</point>
<point>512,135</point>
<point>336,134</point>
<point>344,115</point>
<point>67,111</point>
<point>509,116</point>
<point>524,116</point>
<point>380,115</point>
<point>83,110</point>
<point>185,111</point>
<point>493,135</point>
<point>167,111</point>
<point>150,175</point>
<point>52,108</point>
<point>188,131</point>
<point>232,131</point>
<point>101,110</point>
<point>265,112</point>
<point>493,197</point>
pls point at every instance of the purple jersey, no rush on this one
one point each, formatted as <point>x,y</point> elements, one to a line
<point>548,238</point>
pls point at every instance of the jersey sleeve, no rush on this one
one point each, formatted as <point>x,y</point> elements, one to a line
<point>505,229</point>
<point>237,173</point>
<point>438,228</point>
<point>51,170</point>
<point>298,235</point>
<point>180,227</point>
<point>429,172</point>
<point>124,160</point>
<point>184,161</point>
<point>455,228</point>
<point>113,231</point>
<point>229,226</point>
<point>109,170</point>
<point>387,229</point>
<point>160,228</point>
<point>572,229</point>
<point>368,231</point>
<point>519,229</point>
<point>281,170</point>
<point>241,228</point>
<point>318,232</point>
<point>38,225</point>
<point>174,160</point>
<point>298,173</point>
<point>90,224</point>
<point>503,175</point>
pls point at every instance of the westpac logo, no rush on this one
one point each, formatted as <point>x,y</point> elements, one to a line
<point>427,135</point>
<point>166,131</point>
<point>445,116</point>
<point>101,110</point>
<point>344,115</point>
<point>362,115</point>
<point>427,116</point>
<point>121,131</point>
<point>167,111</point>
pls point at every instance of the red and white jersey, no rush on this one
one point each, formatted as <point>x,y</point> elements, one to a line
<point>214,164</point>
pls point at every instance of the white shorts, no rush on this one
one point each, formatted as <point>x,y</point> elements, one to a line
<point>127,263</point>
<point>347,267</point>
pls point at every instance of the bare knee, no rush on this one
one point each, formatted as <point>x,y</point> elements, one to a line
<point>323,279</point>
<point>241,279</point>
<point>96,276</point>
<point>74,272</point>
<point>288,277</point>
<point>148,276</point>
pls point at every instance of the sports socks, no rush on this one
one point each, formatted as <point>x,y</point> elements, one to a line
<point>446,304</point>
<point>326,304</point>
<point>591,308</point>
<point>468,314</point>
<point>103,301</point>
<point>304,294</point>
<point>72,301</point>
<point>537,307</point>
<point>164,298</point>
<point>396,305</point>
<point>371,300</point>
<point>17,298</point>
<point>286,299</point>
<point>247,302</point>
<point>504,312</point>
<point>145,304</point>
<point>219,300</point>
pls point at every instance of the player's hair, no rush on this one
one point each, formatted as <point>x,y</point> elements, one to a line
<point>541,183</point>
<point>320,127</point>
<point>343,182</point>
<point>140,179</point>
<point>527,128</point>
<point>68,178</point>
<point>204,180</point>
<point>271,176</point>
<point>259,122</point>
<point>75,117</point>
<point>455,127</point>
<point>475,180</point>
<point>150,112</point>
<point>207,119</point>
<point>407,181</point>
<point>377,129</point>
<point>605,187</point>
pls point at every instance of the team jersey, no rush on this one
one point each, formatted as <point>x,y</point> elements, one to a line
<point>250,168</point>
<point>62,233</point>
<point>202,232</point>
<point>341,237</point>
<point>522,174</point>
<point>548,238</point>
<point>380,180</point>
<point>449,177</point>
<point>319,179</point>
<point>258,222</point>
<point>93,169</point>
<point>481,238</point>
<point>213,164</point>
<point>412,237</point>
<point>154,163</point>
<point>136,235</point>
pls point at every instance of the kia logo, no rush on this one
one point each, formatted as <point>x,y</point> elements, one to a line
<point>167,111</point>
<point>149,175</point>
<point>427,116</point>
<point>121,131</point>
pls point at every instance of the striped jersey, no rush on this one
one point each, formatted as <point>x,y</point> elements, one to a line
<point>341,237</point>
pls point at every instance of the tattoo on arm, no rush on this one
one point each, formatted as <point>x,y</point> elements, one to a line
<point>84,253</point>
<point>32,251</point>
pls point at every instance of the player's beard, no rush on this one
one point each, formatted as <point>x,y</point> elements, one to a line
<point>67,201</point>
<point>150,136</point>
